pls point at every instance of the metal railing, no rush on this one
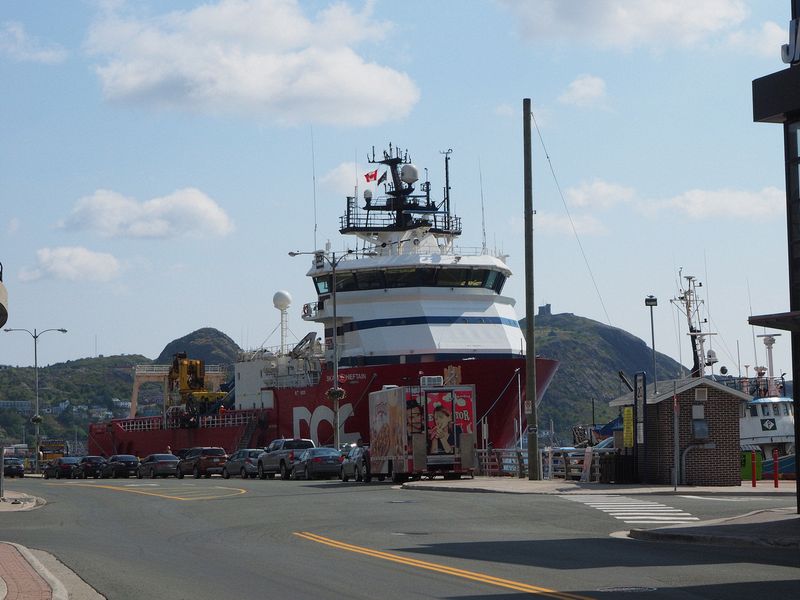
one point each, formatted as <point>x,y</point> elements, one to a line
<point>557,463</point>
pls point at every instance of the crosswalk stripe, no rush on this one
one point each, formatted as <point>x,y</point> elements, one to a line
<point>633,511</point>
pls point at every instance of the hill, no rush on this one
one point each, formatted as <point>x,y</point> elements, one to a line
<point>590,354</point>
<point>208,344</point>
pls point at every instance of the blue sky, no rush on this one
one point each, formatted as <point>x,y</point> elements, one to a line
<point>160,159</point>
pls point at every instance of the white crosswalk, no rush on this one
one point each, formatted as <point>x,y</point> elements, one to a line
<point>633,510</point>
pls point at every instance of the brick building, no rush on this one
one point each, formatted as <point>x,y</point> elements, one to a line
<point>709,452</point>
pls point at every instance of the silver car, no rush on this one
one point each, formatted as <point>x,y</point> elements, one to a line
<point>243,463</point>
<point>158,465</point>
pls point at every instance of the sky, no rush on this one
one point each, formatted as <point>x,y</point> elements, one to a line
<point>160,159</point>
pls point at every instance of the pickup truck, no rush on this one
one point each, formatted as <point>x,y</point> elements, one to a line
<point>279,457</point>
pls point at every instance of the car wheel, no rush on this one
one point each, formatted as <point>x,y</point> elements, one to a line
<point>261,474</point>
<point>139,474</point>
<point>225,474</point>
<point>196,473</point>
<point>22,474</point>
<point>285,473</point>
<point>152,473</point>
<point>207,475</point>
<point>179,474</point>
<point>243,473</point>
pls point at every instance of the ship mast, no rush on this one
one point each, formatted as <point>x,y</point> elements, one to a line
<point>688,303</point>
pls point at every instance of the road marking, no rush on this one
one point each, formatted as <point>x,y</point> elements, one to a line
<point>471,575</point>
<point>630,510</point>
<point>194,494</point>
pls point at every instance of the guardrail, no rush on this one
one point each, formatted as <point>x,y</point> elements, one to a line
<point>557,463</point>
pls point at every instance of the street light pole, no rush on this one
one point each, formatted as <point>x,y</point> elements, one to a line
<point>336,395</point>
<point>36,417</point>
<point>652,301</point>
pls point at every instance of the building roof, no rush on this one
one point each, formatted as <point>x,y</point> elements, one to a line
<point>668,387</point>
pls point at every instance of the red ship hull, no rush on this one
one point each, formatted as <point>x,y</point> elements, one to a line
<point>306,412</point>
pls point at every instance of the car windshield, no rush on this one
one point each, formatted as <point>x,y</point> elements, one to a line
<point>12,461</point>
<point>69,460</point>
<point>324,452</point>
<point>127,458</point>
<point>94,459</point>
<point>254,453</point>
<point>214,452</point>
<point>298,444</point>
<point>165,457</point>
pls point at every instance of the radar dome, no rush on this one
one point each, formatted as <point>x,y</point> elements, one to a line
<point>409,174</point>
<point>282,300</point>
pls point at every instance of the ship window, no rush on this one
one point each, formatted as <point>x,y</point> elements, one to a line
<point>370,280</point>
<point>476,277</point>
<point>397,278</point>
<point>427,277</point>
<point>753,410</point>
<point>345,282</point>
<point>786,409</point>
<point>765,410</point>
<point>323,284</point>
<point>452,277</point>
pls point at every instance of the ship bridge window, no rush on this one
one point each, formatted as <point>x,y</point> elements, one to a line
<point>370,280</point>
<point>345,282</point>
<point>323,284</point>
<point>452,277</point>
<point>753,410</point>
<point>765,410</point>
<point>398,278</point>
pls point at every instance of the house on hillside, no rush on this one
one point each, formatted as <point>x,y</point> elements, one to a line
<point>709,452</point>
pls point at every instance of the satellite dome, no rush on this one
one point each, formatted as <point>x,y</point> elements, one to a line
<point>409,174</point>
<point>282,300</point>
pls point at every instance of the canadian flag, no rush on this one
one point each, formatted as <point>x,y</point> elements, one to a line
<point>372,176</point>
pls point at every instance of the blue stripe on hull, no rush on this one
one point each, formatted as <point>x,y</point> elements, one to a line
<point>403,321</point>
<point>418,358</point>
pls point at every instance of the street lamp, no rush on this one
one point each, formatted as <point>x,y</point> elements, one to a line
<point>336,393</point>
<point>652,301</point>
<point>36,417</point>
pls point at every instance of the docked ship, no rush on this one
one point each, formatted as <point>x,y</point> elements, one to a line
<point>402,305</point>
<point>766,420</point>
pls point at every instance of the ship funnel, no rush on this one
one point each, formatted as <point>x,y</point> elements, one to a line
<point>409,174</point>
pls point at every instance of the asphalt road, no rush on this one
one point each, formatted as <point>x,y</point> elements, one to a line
<point>214,538</point>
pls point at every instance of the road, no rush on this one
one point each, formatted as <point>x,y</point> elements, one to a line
<point>214,538</point>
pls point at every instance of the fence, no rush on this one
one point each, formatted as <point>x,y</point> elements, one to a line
<point>557,463</point>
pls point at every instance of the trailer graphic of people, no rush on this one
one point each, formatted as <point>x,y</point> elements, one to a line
<point>442,432</point>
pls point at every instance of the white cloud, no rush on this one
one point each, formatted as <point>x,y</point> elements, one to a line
<point>12,226</point>
<point>552,224</point>
<point>598,194</point>
<point>737,204</point>
<point>73,263</point>
<point>585,91</point>
<point>18,45</point>
<point>186,212</point>
<point>342,179</point>
<point>765,41</point>
<point>254,57</point>
<point>626,24</point>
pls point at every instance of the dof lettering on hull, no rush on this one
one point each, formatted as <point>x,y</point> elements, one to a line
<point>301,414</point>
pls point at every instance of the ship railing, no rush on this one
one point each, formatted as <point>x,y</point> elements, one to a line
<point>758,387</point>
<point>140,423</point>
<point>151,369</point>
<point>229,419</point>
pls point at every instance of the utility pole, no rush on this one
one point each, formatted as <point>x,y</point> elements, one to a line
<point>534,470</point>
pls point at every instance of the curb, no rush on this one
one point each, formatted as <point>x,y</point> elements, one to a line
<point>57,589</point>
<point>654,535</point>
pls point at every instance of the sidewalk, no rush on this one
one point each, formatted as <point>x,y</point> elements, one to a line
<point>776,528</point>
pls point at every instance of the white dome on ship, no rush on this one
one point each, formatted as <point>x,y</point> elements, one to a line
<point>409,174</point>
<point>282,300</point>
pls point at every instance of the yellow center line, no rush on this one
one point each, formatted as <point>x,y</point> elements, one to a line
<point>488,579</point>
<point>238,491</point>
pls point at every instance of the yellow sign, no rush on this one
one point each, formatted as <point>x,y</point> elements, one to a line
<point>627,426</point>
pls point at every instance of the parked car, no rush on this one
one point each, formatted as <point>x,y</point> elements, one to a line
<point>203,460</point>
<point>243,463</point>
<point>181,453</point>
<point>88,466</point>
<point>158,465</point>
<point>60,468</point>
<point>280,455</point>
<point>120,465</point>
<point>13,467</point>
<point>355,465</point>
<point>315,463</point>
